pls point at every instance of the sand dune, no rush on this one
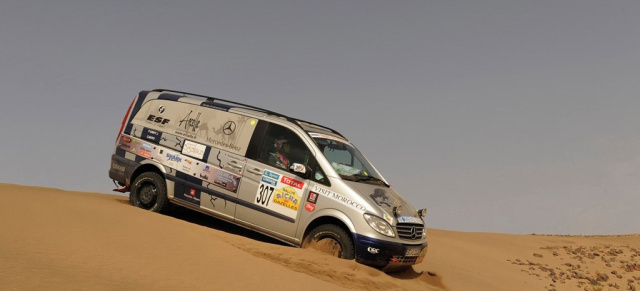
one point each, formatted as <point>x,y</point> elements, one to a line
<point>60,240</point>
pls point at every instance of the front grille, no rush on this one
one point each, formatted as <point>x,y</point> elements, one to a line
<point>409,231</point>
<point>404,260</point>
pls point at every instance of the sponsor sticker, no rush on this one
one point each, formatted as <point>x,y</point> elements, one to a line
<point>310,207</point>
<point>287,197</point>
<point>158,120</point>
<point>227,179</point>
<point>193,149</point>
<point>175,160</point>
<point>292,182</point>
<point>313,197</point>
<point>190,195</point>
<point>280,193</point>
<point>271,175</point>
<point>409,219</point>
<point>387,218</point>
<point>126,139</point>
<point>151,135</point>
<point>269,181</point>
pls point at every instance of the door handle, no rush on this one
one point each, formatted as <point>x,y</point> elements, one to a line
<point>255,171</point>
<point>233,164</point>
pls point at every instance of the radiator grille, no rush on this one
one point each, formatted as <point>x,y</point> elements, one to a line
<point>410,231</point>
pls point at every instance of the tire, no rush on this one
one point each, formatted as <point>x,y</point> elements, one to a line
<point>331,239</point>
<point>149,191</point>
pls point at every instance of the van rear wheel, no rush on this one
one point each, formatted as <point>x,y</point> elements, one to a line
<point>330,239</point>
<point>149,191</point>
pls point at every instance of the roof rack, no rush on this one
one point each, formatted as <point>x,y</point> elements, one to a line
<point>214,99</point>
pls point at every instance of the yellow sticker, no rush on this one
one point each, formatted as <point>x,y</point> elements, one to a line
<point>253,122</point>
<point>287,197</point>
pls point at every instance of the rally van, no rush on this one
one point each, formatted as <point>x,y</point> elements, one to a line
<point>293,180</point>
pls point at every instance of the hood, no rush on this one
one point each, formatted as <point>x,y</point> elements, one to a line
<point>387,199</point>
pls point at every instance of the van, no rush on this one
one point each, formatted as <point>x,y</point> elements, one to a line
<point>290,179</point>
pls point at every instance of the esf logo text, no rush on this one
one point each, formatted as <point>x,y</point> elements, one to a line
<point>158,119</point>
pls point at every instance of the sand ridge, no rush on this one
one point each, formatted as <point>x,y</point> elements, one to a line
<point>62,240</point>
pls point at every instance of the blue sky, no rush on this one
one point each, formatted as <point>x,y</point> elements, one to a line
<point>498,116</point>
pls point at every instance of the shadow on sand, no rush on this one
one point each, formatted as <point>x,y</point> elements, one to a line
<point>201,219</point>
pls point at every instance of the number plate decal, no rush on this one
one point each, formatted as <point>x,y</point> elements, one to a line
<point>279,193</point>
<point>413,252</point>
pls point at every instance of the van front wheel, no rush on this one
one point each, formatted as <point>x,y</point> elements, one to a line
<point>330,239</point>
<point>149,191</point>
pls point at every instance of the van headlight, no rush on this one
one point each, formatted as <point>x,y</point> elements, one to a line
<point>379,225</point>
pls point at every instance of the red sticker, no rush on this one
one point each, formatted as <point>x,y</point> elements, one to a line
<point>313,197</point>
<point>292,182</point>
<point>310,207</point>
<point>193,192</point>
<point>126,139</point>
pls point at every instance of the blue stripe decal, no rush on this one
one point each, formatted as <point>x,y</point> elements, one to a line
<point>229,198</point>
<point>205,157</point>
<point>136,107</point>
<point>120,152</point>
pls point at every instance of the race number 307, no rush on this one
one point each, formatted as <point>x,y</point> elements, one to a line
<point>264,195</point>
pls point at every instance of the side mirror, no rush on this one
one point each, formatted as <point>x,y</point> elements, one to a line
<point>301,169</point>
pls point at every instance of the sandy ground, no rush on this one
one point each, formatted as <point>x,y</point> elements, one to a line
<point>59,240</point>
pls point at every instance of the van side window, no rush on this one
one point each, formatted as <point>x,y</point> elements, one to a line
<point>281,148</point>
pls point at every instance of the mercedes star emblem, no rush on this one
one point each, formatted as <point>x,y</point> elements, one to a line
<point>229,127</point>
<point>414,233</point>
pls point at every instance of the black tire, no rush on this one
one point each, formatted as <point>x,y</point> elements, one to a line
<point>331,239</point>
<point>149,191</point>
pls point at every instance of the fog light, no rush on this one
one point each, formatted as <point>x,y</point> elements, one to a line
<point>397,211</point>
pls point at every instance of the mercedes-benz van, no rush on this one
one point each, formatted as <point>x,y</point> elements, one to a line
<point>296,181</point>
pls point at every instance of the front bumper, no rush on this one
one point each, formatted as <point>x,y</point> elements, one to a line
<point>388,255</point>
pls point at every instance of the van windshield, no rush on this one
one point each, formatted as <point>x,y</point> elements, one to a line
<point>347,160</point>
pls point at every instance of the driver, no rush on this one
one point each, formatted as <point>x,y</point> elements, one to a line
<point>280,158</point>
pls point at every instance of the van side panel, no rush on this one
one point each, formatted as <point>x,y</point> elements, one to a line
<point>224,130</point>
<point>190,141</point>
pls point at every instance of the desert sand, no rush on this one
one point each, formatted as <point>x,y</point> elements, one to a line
<point>52,239</point>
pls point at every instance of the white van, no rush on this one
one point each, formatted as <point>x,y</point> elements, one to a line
<point>293,180</point>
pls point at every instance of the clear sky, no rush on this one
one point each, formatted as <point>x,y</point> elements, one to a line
<point>496,115</point>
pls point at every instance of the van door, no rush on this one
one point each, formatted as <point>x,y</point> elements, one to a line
<point>271,193</point>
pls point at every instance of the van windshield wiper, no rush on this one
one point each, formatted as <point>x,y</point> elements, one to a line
<point>359,178</point>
